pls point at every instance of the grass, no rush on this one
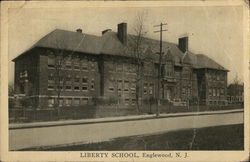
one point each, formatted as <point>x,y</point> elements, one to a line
<point>212,138</point>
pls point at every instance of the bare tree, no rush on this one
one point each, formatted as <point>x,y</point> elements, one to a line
<point>61,56</point>
<point>139,50</point>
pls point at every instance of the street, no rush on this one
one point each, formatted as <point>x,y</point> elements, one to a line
<point>97,132</point>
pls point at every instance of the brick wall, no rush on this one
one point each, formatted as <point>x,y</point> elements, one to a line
<point>113,77</point>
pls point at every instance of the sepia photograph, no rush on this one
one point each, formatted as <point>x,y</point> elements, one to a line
<point>109,80</point>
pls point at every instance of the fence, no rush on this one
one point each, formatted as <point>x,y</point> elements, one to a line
<point>22,114</point>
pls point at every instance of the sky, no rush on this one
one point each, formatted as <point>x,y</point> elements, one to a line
<point>215,31</point>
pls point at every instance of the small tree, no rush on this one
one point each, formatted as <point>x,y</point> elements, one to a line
<point>139,47</point>
<point>61,55</point>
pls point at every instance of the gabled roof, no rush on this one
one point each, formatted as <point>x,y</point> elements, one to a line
<point>109,44</point>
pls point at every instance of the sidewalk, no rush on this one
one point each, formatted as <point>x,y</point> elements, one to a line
<point>114,119</point>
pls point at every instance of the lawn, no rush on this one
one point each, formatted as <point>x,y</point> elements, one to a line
<point>212,138</point>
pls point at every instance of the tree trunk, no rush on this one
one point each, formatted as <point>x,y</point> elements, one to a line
<point>137,98</point>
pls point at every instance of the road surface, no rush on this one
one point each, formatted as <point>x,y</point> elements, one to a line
<point>97,132</point>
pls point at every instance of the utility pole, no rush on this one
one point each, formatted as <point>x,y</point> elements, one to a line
<point>159,67</point>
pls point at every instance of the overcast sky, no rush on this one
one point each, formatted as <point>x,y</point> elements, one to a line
<point>213,31</point>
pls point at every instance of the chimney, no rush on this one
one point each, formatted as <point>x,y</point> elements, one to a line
<point>105,31</point>
<point>183,44</point>
<point>79,30</point>
<point>122,32</point>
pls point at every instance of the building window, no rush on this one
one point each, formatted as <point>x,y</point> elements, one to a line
<point>84,101</point>
<point>77,88</point>
<point>210,92</point>
<point>68,88</point>
<point>145,88</point>
<point>51,102</point>
<point>51,79</point>
<point>111,89</point>
<point>60,102</point>
<point>126,101</point>
<point>50,87</point>
<point>214,92</point>
<point>218,92</point>
<point>68,79</point>
<point>84,65</point>
<point>217,76</point>
<point>133,101</point>
<point>77,79</point>
<point>51,62</point>
<point>84,87</point>
<point>85,80</point>
<point>59,87</point>
<point>92,85</point>
<point>133,88</point>
<point>169,69</point>
<point>111,84</point>
<point>183,91</point>
<point>68,101</point>
<point>23,74</point>
<point>76,101</point>
<point>68,64</point>
<point>151,87</point>
<point>222,91</point>
<point>76,65</point>
<point>84,83</point>
<point>119,82</point>
<point>126,86</point>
